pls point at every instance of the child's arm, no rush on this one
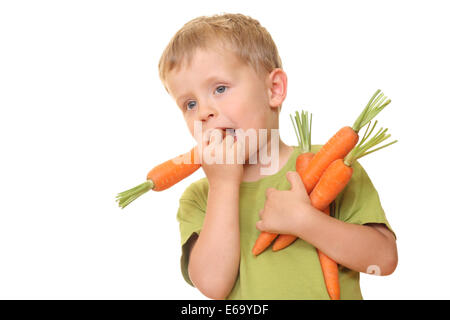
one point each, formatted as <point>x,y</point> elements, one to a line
<point>215,255</point>
<point>357,247</point>
<point>362,248</point>
<point>214,259</point>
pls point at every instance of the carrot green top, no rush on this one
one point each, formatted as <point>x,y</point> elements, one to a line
<point>294,272</point>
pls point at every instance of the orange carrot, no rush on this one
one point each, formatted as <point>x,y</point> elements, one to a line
<point>330,271</point>
<point>331,183</point>
<point>263,241</point>
<point>342,142</point>
<point>161,177</point>
<point>302,162</point>
<point>336,148</point>
<point>172,171</point>
<point>331,275</point>
<point>339,172</point>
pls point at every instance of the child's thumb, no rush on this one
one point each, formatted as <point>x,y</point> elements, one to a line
<point>260,225</point>
<point>295,180</point>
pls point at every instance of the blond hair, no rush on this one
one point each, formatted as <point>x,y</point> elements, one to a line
<point>245,36</point>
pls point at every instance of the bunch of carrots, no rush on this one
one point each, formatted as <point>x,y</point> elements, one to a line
<point>324,174</point>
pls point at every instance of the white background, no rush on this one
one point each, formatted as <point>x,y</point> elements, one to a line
<point>84,116</point>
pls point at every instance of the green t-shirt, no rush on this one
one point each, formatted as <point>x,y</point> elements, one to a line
<point>294,272</point>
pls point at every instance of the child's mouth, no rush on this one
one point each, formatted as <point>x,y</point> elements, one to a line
<point>231,132</point>
<point>227,132</point>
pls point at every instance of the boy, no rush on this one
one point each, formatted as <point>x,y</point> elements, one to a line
<point>225,73</point>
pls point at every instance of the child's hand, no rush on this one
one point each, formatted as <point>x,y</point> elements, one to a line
<point>284,210</point>
<point>222,158</point>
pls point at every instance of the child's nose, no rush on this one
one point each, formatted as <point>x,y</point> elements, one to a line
<point>206,112</point>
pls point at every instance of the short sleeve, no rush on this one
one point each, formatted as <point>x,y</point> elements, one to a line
<point>190,216</point>
<point>359,202</point>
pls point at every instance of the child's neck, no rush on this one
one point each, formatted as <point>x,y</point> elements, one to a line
<point>253,172</point>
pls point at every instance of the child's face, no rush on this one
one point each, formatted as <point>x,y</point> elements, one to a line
<point>220,91</point>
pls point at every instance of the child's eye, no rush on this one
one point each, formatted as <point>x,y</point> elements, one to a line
<point>221,89</point>
<point>190,105</point>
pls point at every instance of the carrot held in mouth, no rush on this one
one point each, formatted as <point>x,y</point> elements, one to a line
<point>161,177</point>
<point>331,183</point>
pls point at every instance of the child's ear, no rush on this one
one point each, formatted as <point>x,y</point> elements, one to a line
<point>277,86</point>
